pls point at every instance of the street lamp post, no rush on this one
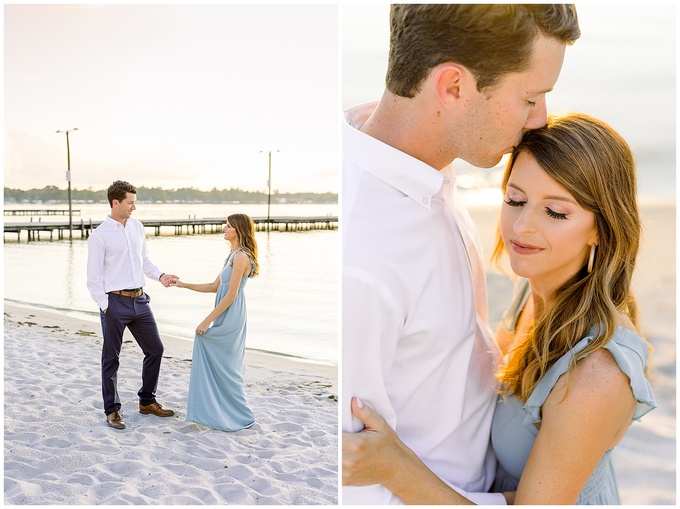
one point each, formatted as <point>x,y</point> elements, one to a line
<point>68,179</point>
<point>269,183</point>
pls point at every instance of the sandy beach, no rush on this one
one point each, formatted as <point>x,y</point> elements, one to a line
<point>59,450</point>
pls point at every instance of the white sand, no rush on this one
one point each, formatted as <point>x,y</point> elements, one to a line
<point>59,450</point>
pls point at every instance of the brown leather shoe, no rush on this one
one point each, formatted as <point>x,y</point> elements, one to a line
<point>115,420</point>
<point>156,409</point>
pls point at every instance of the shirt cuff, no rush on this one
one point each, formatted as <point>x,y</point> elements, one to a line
<point>487,498</point>
<point>104,303</point>
<point>482,498</point>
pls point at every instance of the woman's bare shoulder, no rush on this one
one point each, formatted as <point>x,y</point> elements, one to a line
<point>596,383</point>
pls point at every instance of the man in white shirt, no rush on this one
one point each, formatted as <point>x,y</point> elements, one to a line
<point>463,81</point>
<point>117,260</point>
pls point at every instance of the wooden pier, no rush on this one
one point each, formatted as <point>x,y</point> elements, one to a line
<point>179,226</point>
<point>40,212</point>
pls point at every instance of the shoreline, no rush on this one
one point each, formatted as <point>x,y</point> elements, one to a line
<point>175,346</point>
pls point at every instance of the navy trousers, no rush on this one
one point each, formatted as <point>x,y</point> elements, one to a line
<point>136,315</point>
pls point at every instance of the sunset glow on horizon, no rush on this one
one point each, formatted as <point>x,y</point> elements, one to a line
<point>172,96</point>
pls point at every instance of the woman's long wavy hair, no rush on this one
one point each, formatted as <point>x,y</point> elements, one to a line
<point>245,233</point>
<point>594,163</point>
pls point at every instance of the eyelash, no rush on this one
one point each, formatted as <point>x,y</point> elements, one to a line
<point>532,104</point>
<point>514,203</point>
<point>551,213</point>
<point>555,215</point>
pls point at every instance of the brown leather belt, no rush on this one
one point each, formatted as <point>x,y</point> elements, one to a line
<point>133,294</point>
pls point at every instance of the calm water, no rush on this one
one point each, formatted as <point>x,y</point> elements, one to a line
<point>292,304</point>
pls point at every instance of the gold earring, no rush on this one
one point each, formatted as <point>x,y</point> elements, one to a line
<point>591,258</point>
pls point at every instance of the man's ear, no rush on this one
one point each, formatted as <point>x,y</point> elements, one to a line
<point>452,83</point>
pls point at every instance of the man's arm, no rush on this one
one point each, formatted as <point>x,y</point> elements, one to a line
<point>370,328</point>
<point>149,268</point>
<point>96,251</point>
<point>371,324</point>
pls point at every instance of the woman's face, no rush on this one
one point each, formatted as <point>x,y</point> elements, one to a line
<point>229,232</point>
<point>546,232</point>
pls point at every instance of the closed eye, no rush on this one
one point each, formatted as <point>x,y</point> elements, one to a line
<point>514,203</point>
<point>555,215</point>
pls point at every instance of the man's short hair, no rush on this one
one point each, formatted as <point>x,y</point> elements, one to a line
<point>118,191</point>
<point>489,40</point>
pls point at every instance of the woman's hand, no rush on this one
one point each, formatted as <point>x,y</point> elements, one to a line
<point>374,455</point>
<point>202,327</point>
<point>177,283</point>
<point>168,279</point>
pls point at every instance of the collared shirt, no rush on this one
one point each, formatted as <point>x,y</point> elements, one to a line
<point>117,259</point>
<point>415,343</point>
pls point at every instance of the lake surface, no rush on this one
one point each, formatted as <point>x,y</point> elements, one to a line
<point>292,304</point>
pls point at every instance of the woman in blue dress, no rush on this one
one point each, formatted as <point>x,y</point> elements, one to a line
<point>573,375</point>
<point>217,386</point>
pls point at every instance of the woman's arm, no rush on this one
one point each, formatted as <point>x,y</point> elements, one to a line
<point>376,455</point>
<point>579,424</point>
<point>199,287</point>
<point>240,267</point>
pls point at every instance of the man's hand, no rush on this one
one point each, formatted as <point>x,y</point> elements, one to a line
<point>168,279</point>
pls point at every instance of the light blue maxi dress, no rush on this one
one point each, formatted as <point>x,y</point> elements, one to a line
<point>217,385</point>
<point>513,428</point>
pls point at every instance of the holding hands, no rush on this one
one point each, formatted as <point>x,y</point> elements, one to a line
<point>168,280</point>
<point>176,282</point>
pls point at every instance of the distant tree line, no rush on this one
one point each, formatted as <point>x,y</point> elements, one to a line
<point>156,194</point>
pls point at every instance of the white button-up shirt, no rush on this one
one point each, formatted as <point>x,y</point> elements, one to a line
<point>415,343</point>
<point>117,259</point>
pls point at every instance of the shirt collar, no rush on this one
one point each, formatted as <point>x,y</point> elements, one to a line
<point>113,222</point>
<point>405,173</point>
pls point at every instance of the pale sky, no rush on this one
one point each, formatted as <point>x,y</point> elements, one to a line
<point>622,70</point>
<point>180,95</point>
<point>172,95</point>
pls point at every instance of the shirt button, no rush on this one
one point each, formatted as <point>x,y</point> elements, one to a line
<point>426,200</point>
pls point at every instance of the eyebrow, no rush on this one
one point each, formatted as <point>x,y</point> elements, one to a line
<point>547,91</point>
<point>548,197</point>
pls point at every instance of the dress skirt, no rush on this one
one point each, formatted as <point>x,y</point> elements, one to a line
<point>217,386</point>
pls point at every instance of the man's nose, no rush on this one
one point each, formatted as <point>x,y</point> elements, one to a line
<point>539,115</point>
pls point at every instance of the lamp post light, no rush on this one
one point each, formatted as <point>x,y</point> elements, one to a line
<point>68,179</point>
<point>269,184</point>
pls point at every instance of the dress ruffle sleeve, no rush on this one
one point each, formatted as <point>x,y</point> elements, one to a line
<point>630,352</point>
